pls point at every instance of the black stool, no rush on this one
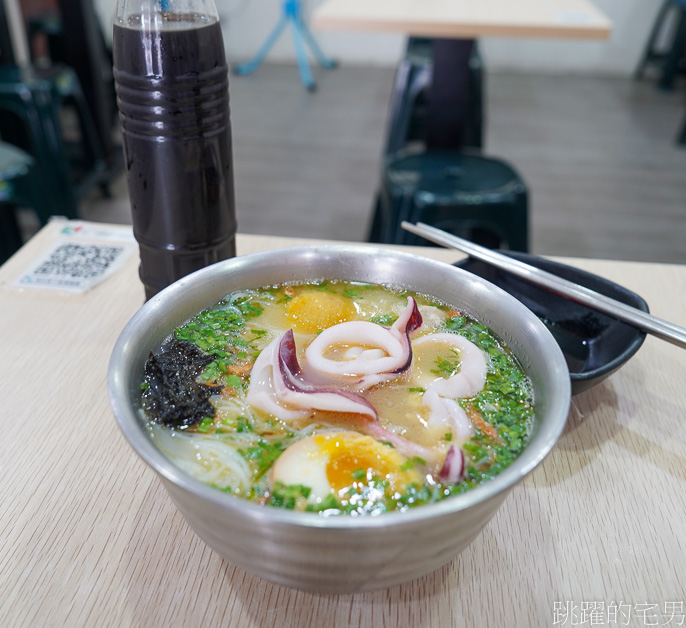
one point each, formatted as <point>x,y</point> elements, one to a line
<point>479,198</point>
<point>671,60</point>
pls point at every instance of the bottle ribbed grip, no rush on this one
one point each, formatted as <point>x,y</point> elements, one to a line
<point>175,107</point>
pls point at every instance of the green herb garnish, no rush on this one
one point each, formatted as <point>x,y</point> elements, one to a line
<point>262,455</point>
<point>206,424</point>
<point>386,319</point>
<point>447,367</point>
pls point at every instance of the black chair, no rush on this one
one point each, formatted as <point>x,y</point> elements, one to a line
<point>447,183</point>
<point>409,106</point>
<point>33,101</point>
<point>37,103</point>
<point>670,61</point>
<point>482,199</point>
<point>90,57</point>
<point>21,185</point>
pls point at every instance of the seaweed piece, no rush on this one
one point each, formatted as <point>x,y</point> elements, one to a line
<point>172,395</point>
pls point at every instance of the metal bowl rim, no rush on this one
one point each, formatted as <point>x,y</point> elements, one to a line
<point>132,428</point>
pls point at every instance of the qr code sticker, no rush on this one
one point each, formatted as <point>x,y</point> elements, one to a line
<point>75,267</point>
<point>78,261</point>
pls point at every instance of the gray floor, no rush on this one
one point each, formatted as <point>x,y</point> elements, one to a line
<point>605,176</point>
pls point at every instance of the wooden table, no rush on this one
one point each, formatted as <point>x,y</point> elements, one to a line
<point>454,25</point>
<point>575,19</point>
<point>88,537</point>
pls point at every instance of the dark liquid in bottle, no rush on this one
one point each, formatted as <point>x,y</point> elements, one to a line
<point>173,101</point>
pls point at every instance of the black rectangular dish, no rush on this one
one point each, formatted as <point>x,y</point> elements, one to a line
<point>594,344</point>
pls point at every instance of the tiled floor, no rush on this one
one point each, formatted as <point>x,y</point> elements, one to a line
<point>605,175</point>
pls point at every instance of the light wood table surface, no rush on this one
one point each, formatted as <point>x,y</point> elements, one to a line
<point>577,19</point>
<point>88,536</point>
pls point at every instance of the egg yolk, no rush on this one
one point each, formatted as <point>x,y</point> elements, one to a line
<point>341,468</point>
<point>311,311</point>
<point>355,458</point>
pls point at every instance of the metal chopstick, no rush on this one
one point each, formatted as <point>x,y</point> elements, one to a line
<point>642,320</point>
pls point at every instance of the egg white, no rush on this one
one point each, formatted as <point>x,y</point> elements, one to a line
<point>308,462</point>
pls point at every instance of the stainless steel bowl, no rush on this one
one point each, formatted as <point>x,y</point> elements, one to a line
<point>339,554</point>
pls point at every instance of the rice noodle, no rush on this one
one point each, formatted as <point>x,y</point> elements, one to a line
<point>207,457</point>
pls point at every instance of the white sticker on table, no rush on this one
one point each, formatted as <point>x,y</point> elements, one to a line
<point>74,266</point>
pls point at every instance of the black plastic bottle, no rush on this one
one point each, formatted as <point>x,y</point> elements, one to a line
<point>173,94</point>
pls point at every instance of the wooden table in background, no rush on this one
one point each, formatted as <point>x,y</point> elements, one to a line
<point>88,536</point>
<point>454,25</point>
<point>573,19</point>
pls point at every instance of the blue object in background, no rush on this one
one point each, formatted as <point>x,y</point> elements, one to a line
<point>291,12</point>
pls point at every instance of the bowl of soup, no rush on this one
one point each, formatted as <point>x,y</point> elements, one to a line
<point>342,418</point>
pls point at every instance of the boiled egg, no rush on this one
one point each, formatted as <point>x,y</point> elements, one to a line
<point>332,463</point>
<point>314,310</point>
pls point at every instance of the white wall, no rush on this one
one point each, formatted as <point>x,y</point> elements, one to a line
<point>632,21</point>
<point>246,24</point>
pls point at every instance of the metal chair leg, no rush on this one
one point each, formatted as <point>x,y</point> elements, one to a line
<point>649,52</point>
<point>299,43</point>
<point>321,58</point>
<point>10,234</point>
<point>396,108</point>
<point>681,139</point>
<point>291,11</point>
<point>675,54</point>
<point>256,61</point>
